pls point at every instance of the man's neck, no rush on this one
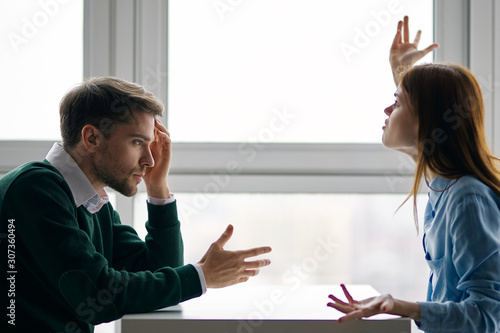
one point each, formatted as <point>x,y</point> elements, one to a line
<point>85,162</point>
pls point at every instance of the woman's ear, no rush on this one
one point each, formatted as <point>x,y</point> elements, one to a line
<point>92,137</point>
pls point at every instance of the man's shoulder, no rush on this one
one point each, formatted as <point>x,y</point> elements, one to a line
<point>31,173</point>
<point>35,167</point>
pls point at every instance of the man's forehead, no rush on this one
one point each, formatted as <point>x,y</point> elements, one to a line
<point>142,118</point>
<point>140,124</point>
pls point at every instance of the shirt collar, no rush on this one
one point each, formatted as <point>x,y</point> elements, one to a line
<point>436,188</point>
<point>81,188</point>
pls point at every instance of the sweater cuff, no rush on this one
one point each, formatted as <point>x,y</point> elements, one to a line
<point>190,282</point>
<point>163,215</point>
<point>159,202</point>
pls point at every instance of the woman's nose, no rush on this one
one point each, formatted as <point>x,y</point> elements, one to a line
<point>388,110</point>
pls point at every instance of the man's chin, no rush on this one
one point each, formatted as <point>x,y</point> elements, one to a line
<point>131,193</point>
<point>126,191</point>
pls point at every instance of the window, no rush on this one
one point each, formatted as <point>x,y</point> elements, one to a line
<point>41,58</point>
<point>284,71</point>
<point>316,238</point>
<point>259,121</point>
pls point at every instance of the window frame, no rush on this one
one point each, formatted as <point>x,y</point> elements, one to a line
<point>129,38</point>
<point>460,28</point>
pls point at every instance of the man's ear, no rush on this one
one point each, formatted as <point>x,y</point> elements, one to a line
<point>92,137</point>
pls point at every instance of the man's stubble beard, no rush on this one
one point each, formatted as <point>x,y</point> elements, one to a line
<point>106,174</point>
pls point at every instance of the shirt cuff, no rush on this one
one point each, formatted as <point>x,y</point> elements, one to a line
<point>159,202</point>
<point>203,283</point>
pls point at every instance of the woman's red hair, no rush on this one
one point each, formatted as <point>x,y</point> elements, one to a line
<point>448,103</point>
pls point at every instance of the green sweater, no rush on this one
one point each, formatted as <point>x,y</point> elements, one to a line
<point>73,269</point>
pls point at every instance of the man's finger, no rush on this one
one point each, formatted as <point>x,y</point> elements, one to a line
<point>162,134</point>
<point>257,263</point>
<point>226,235</point>
<point>250,272</point>
<point>254,252</point>
<point>243,279</point>
<point>160,127</point>
<point>159,124</point>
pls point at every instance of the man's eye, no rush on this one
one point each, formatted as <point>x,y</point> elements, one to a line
<point>137,142</point>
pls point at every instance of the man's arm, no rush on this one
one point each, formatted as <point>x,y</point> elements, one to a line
<point>53,241</point>
<point>163,245</point>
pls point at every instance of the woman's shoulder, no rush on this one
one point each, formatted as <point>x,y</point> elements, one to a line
<point>471,186</point>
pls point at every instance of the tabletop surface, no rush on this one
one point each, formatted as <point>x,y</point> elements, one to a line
<point>254,302</point>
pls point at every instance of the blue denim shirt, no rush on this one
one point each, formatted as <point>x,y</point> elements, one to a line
<point>462,247</point>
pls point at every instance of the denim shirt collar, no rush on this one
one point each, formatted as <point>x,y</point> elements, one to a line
<point>436,188</point>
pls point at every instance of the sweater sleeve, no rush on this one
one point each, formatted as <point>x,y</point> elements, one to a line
<point>61,256</point>
<point>475,235</point>
<point>163,245</point>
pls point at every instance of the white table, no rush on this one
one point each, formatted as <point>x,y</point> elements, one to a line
<point>248,308</point>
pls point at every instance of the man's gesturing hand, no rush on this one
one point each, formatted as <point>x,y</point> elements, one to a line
<point>224,268</point>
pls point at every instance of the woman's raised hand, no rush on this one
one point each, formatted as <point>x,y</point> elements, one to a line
<point>404,54</point>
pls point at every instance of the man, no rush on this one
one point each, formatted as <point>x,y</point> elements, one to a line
<point>71,264</point>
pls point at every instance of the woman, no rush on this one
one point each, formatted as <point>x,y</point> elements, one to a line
<point>438,120</point>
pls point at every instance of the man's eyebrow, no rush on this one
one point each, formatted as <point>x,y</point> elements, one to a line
<point>145,138</point>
